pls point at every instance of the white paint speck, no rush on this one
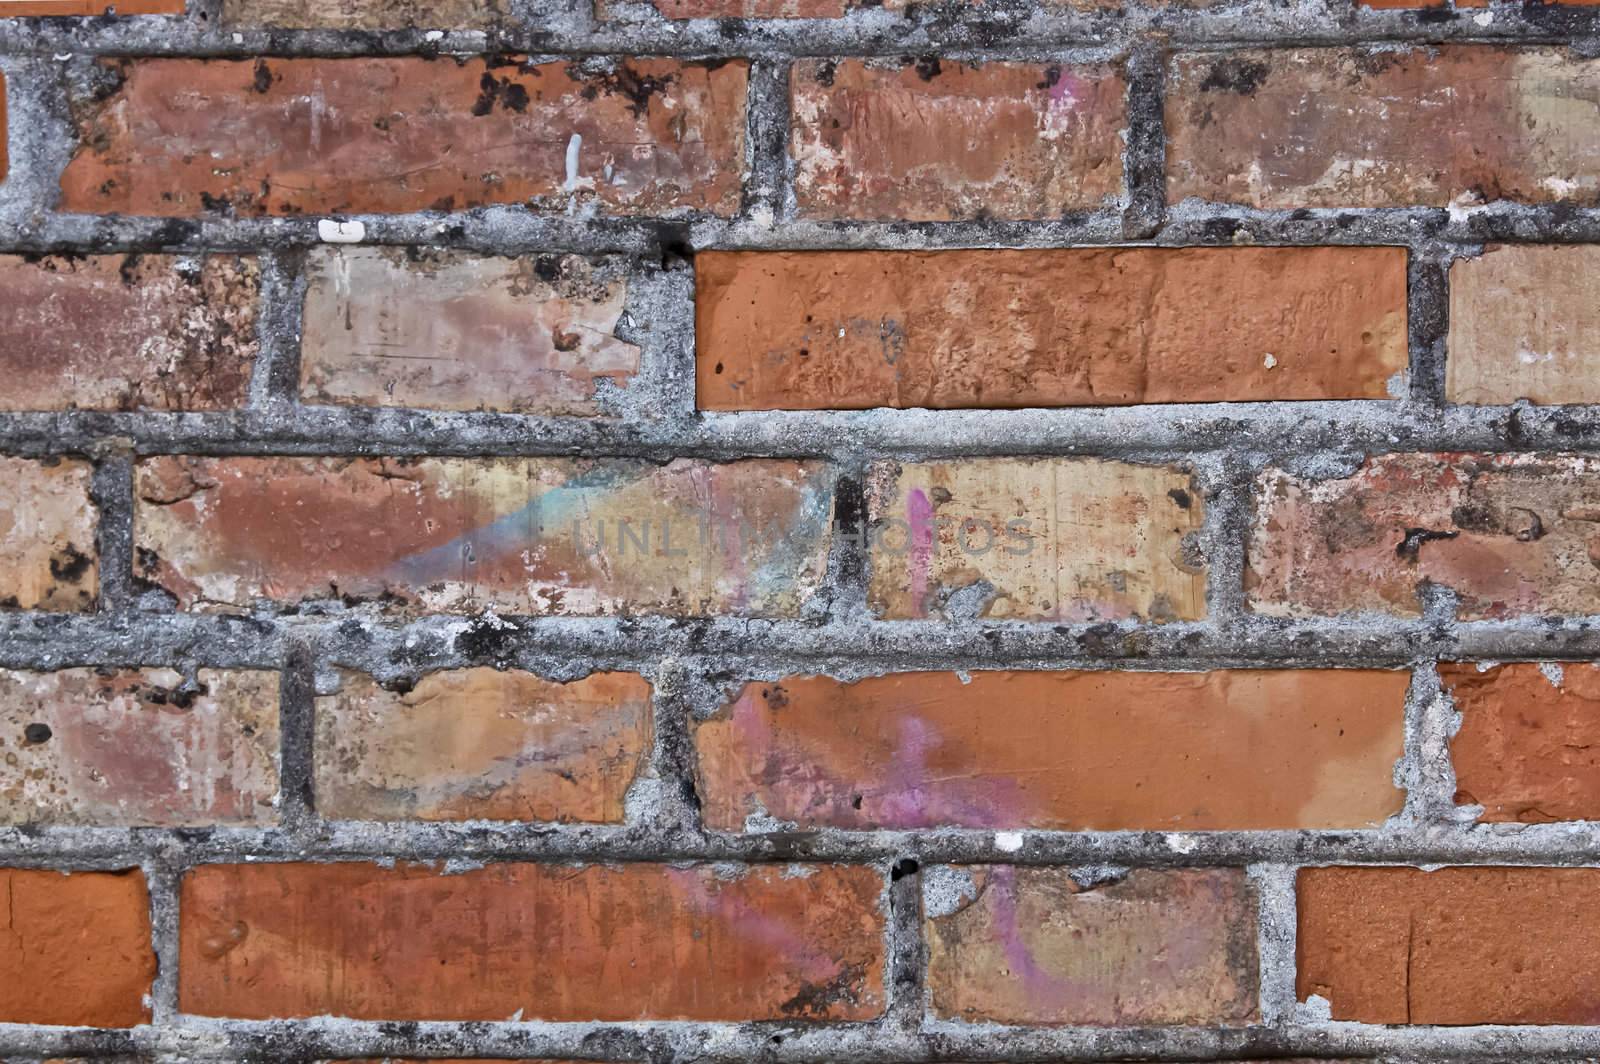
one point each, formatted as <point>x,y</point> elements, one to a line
<point>1179,843</point>
<point>573,147</point>
<point>1008,841</point>
<point>1271,361</point>
<point>434,35</point>
<point>333,231</point>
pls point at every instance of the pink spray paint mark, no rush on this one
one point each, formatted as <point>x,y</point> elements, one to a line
<point>919,519</point>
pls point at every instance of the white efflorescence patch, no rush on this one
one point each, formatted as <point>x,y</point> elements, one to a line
<point>333,231</point>
<point>1008,841</point>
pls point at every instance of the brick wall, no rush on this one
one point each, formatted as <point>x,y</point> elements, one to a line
<point>666,530</point>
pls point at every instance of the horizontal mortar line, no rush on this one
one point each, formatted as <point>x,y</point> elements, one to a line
<point>516,228</point>
<point>462,845</point>
<point>202,1038</point>
<point>1168,432</point>
<point>865,32</point>
<point>398,646</point>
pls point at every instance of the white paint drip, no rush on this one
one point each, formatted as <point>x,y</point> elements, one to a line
<point>573,147</point>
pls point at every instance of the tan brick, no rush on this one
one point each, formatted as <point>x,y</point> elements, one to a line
<point>48,557</point>
<point>123,332</point>
<point>1056,539</point>
<point>364,14</point>
<point>1525,750</point>
<point>1451,946</point>
<point>1511,533</point>
<point>1525,324</point>
<point>1335,127</point>
<point>187,136</point>
<point>554,536</point>
<point>932,140</point>
<point>1032,946</point>
<point>393,327</point>
<point>481,744</point>
<point>75,949</point>
<point>135,747</point>
<point>1082,326</point>
<point>546,942</point>
<point>1065,751</point>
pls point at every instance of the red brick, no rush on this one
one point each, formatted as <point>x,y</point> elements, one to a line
<point>548,942</point>
<point>48,557</point>
<point>1511,533</point>
<point>1032,946</point>
<point>557,536</point>
<point>1068,751</point>
<point>135,747</point>
<point>932,141</point>
<point>482,744</point>
<point>424,328</point>
<point>1083,326</point>
<point>1055,539</point>
<point>289,136</point>
<point>75,949</point>
<point>1299,127</point>
<point>364,14</point>
<point>1526,749</point>
<point>123,332</point>
<point>1451,946</point>
<point>1525,324</point>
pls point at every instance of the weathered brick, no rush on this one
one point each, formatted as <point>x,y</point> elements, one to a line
<point>48,558</point>
<point>136,747</point>
<point>1300,127</point>
<point>1525,324</point>
<point>738,8</point>
<point>1057,539</point>
<point>481,744</point>
<point>1525,750</point>
<point>19,8</point>
<point>560,536</point>
<point>75,949</point>
<point>931,140</point>
<point>1082,326</point>
<point>1510,533</point>
<point>286,136</point>
<point>120,332</point>
<point>1068,751</point>
<point>393,327</point>
<point>547,942</point>
<point>364,14</point>
<point>1451,946</point>
<point>1034,946</point>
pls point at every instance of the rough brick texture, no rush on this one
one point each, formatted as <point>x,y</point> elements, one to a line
<point>1507,533</point>
<point>47,535</point>
<point>1297,128</point>
<point>1064,751</point>
<point>1525,750</point>
<point>1451,946</point>
<point>118,332</point>
<point>852,330</point>
<point>450,332</point>
<point>1524,324</point>
<point>1036,945</point>
<point>935,140</point>
<point>633,942</point>
<point>136,747</point>
<point>799,530</point>
<point>523,535</point>
<point>1036,539</point>
<point>285,136</point>
<point>75,949</point>
<point>480,744</point>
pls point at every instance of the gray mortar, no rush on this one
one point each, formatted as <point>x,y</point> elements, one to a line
<point>697,664</point>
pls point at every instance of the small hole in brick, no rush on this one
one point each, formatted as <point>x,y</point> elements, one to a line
<point>902,868</point>
<point>855,802</point>
<point>718,368</point>
<point>805,352</point>
<point>37,733</point>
